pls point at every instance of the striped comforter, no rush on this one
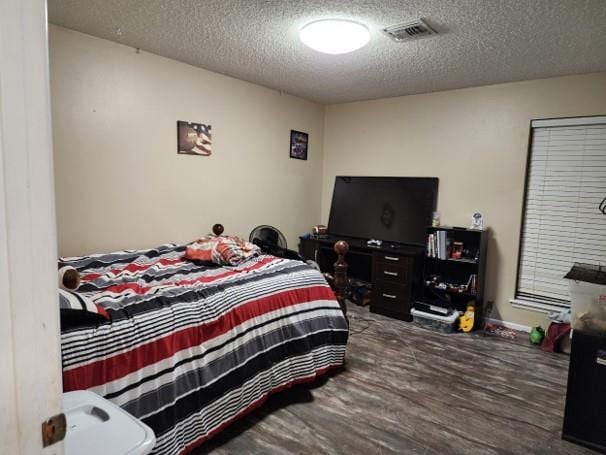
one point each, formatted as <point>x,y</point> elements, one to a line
<point>192,347</point>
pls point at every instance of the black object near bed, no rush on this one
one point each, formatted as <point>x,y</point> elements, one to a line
<point>393,210</point>
<point>585,413</point>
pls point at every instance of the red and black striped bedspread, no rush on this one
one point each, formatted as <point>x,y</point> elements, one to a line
<point>192,347</point>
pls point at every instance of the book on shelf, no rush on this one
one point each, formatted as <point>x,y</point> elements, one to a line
<point>443,244</point>
<point>438,245</point>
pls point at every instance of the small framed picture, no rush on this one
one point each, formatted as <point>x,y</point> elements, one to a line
<point>298,144</point>
<point>193,139</point>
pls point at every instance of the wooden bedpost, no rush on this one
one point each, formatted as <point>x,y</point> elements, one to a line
<point>340,282</point>
<point>218,229</point>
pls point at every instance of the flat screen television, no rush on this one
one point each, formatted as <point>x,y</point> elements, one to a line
<point>392,209</point>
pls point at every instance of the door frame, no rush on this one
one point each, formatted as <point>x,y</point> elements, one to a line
<point>30,381</point>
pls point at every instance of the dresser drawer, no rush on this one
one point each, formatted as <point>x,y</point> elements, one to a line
<point>391,258</point>
<point>388,295</point>
<point>391,272</point>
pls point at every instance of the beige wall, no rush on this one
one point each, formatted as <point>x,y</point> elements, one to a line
<point>119,180</point>
<point>121,184</point>
<point>475,140</point>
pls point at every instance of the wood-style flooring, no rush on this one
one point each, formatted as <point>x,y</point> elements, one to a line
<point>408,390</point>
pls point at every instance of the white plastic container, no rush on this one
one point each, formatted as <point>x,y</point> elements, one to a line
<point>444,324</point>
<point>96,426</point>
<point>587,306</point>
<point>587,298</point>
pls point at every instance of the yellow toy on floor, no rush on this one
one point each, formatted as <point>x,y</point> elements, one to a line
<point>466,321</point>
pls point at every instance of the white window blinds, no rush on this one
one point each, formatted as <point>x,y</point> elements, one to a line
<point>563,224</point>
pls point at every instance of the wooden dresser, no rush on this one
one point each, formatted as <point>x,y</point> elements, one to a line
<point>394,272</point>
<point>392,283</point>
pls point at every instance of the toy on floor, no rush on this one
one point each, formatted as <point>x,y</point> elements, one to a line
<point>499,331</point>
<point>466,321</point>
<point>557,338</point>
<point>537,334</point>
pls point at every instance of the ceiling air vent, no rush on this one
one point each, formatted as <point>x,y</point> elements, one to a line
<point>409,31</point>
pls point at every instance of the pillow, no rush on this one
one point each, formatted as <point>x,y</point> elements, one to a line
<point>234,250</point>
<point>223,250</point>
<point>203,249</point>
<point>78,310</point>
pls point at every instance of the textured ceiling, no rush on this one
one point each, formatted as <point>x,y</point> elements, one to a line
<point>480,42</point>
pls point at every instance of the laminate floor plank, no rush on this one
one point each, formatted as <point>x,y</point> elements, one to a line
<point>408,390</point>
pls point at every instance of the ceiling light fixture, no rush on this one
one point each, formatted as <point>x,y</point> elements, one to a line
<point>334,36</point>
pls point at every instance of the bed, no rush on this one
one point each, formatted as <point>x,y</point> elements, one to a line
<point>192,347</point>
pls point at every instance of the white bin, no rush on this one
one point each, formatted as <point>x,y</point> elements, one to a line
<point>444,324</point>
<point>96,426</point>
<point>587,298</point>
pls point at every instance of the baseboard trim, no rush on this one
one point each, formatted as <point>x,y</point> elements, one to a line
<point>509,325</point>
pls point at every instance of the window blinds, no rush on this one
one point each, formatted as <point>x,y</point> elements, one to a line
<point>563,224</point>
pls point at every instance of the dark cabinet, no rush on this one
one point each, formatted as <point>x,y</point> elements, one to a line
<point>585,413</point>
<point>394,272</point>
<point>392,284</point>
<point>308,248</point>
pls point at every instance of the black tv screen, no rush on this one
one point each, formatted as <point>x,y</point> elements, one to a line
<point>392,209</point>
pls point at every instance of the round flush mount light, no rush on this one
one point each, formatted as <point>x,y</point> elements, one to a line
<point>334,36</point>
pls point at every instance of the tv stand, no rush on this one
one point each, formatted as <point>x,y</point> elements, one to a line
<point>394,270</point>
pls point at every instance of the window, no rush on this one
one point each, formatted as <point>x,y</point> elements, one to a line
<point>563,220</point>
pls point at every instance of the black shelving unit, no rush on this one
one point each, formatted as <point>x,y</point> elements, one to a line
<point>585,412</point>
<point>446,279</point>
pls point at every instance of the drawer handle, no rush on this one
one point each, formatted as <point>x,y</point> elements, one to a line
<point>391,258</point>
<point>390,273</point>
<point>390,296</point>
